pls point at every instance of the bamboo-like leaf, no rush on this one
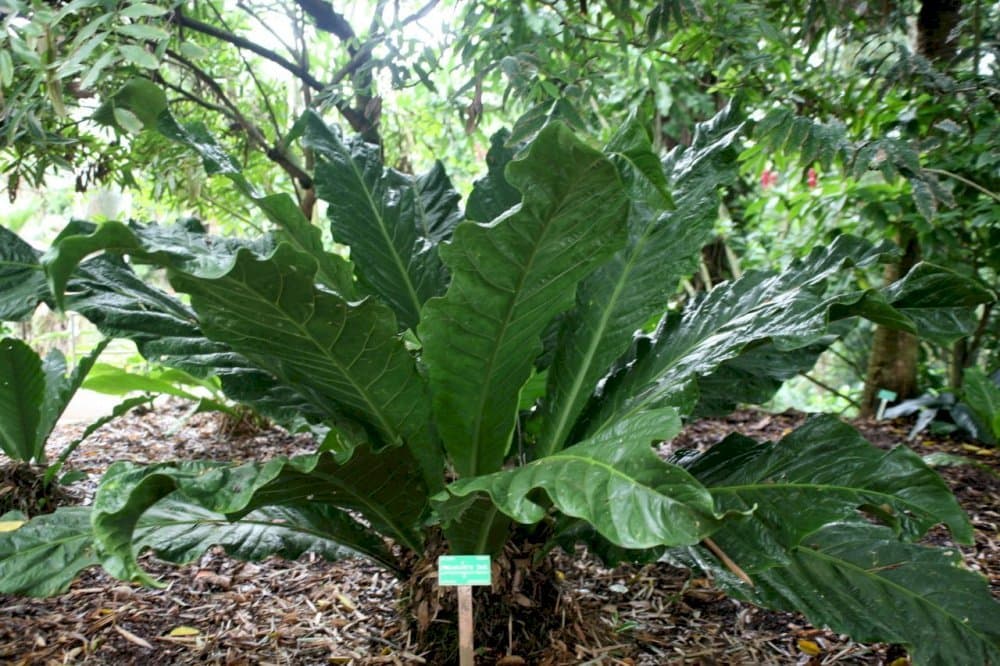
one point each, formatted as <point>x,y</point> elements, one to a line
<point>614,481</point>
<point>622,295</point>
<point>509,279</point>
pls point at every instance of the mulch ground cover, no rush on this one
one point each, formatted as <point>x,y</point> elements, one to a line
<point>221,611</point>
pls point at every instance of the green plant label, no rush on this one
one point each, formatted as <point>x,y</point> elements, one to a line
<point>886,394</point>
<point>464,570</point>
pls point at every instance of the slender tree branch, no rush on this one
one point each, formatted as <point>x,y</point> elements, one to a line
<point>962,179</point>
<point>266,25</point>
<point>191,97</point>
<point>273,153</point>
<point>253,75</point>
<point>364,115</point>
<point>329,20</point>
<point>357,119</point>
<point>852,402</point>
<point>181,19</point>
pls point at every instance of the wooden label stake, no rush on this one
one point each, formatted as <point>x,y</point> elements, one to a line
<point>464,571</point>
<point>465,626</point>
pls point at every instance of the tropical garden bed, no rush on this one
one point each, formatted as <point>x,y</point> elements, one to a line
<point>220,610</point>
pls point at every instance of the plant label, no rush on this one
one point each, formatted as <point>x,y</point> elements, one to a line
<point>885,396</point>
<point>464,570</point>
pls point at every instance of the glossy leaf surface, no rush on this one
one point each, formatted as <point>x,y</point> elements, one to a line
<point>385,489</point>
<point>663,245</point>
<point>857,579</point>
<point>614,481</point>
<point>391,222</point>
<point>181,531</point>
<point>22,391</point>
<point>821,473</point>
<point>509,279</point>
<point>43,556</point>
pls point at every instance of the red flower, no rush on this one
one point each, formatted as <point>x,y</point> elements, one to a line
<point>768,178</point>
<point>812,179</point>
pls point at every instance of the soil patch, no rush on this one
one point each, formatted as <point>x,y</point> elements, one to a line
<point>221,611</point>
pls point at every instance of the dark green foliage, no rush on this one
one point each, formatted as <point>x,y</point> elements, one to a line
<point>429,384</point>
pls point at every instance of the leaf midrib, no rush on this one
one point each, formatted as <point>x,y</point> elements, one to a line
<point>324,353</point>
<point>889,583</point>
<point>291,527</point>
<point>782,486</point>
<point>363,500</point>
<point>511,307</point>
<point>556,438</point>
<point>397,260</point>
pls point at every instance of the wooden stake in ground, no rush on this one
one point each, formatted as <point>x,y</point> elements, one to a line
<point>466,650</point>
<point>464,571</point>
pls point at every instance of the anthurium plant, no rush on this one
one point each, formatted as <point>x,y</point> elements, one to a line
<point>497,376</point>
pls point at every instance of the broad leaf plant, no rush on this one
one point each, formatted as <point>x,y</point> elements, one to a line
<point>504,372</point>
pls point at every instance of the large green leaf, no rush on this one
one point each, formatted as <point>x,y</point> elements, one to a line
<point>385,489</point>
<point>437,204</point>
<point>391,222</point>
<point>22,281</point>
<point>857,579</point>
<point>292,226</point>
<point>754,376</point>
<point>824,472</point>
<point>181,531</point>
<point>811,544</point>
<point>623,294</point>
<point>42,557</point>
<point>791,309</point>
<point>509,279</point>
<point>344,357</point>
<point>108,293</point>
<point>614,481</point>
<point>22,391</point>
<point>493,195</point>
<point>931,301</point>
<point>982,395</point>
<point>60,388</point>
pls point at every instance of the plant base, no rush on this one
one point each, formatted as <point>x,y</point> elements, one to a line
<point>527,615</point>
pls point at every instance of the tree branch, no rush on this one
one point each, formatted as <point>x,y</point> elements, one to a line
<point>366,109</point>
<point>357,119</point>
<point>181,19</point>
<point>329,20</point>
<point>274,153</point>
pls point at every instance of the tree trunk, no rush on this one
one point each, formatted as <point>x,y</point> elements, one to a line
<point>893,361</point>
<point>936,23</point>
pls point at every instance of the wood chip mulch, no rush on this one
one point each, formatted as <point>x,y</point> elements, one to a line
<point>221,611</point>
